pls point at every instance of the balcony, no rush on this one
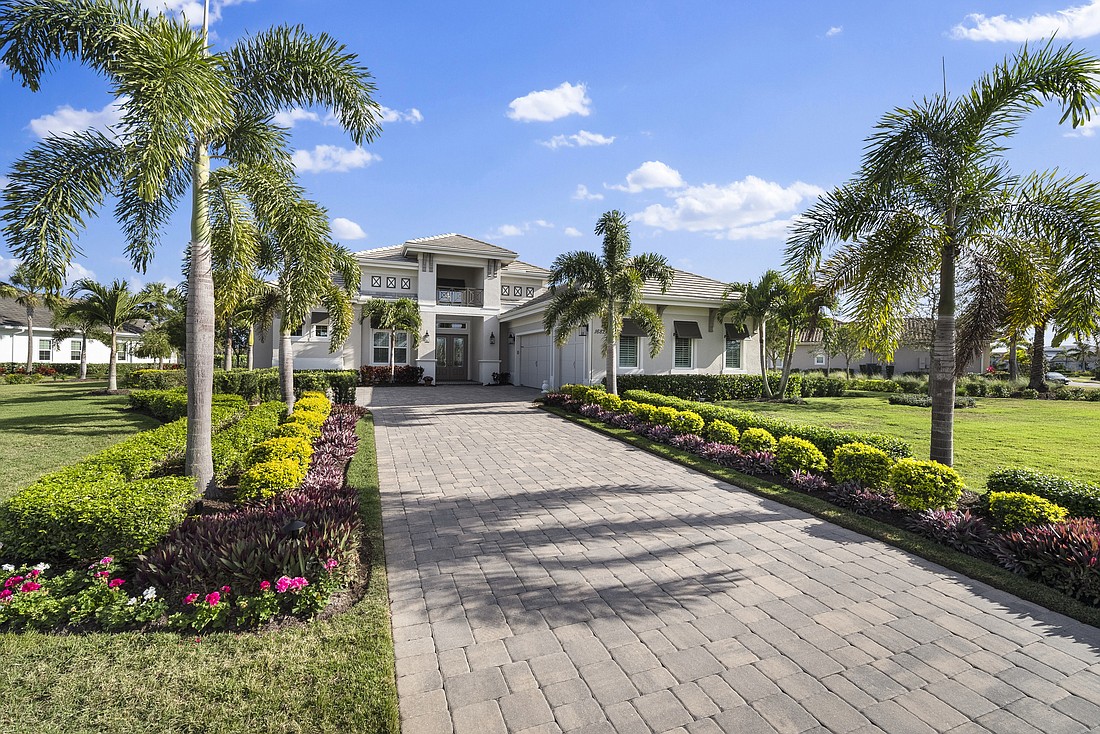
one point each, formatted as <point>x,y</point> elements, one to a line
<point>472,297</point>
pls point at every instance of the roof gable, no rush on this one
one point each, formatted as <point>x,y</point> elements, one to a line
<point>458,243</point>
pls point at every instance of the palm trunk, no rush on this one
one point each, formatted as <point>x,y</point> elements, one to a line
<point>942,375</point>
<point>1013,362</point>
<point>112,368</point>
<point>83,356</point>
<point>30,340</point>
<point>228,348</point>
<point>612,350</point>
<point>251,347</point>
<point>788,355</point>
<point>393,355</point>
<point>198,461</point>
<point>763,363</point>
<point>286,368</point>
<point>1038,374</point>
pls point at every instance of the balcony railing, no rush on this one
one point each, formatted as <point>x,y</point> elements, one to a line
<point>474,297</point>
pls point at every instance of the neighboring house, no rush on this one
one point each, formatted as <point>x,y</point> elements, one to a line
<point>914,354</point>
<point>13,340</point>
<point>482,310</point>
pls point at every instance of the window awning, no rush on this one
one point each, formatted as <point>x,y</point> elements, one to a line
<point>318,317</point>
<point>686,330</point>
<point>735,332</point>
<point>632,328</point>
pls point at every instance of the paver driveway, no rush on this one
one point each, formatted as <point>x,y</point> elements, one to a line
<point>545,578</point>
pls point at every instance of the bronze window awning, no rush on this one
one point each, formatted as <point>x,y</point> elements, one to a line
<point>318,317</point>
<point>735,332</point>
<point>632,328</point>
<point>686,330</point>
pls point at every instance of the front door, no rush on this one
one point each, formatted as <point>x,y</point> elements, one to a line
<point>450,357</point>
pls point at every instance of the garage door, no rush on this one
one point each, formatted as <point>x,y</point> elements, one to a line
<point>572,363</point>
<point>535,354</point>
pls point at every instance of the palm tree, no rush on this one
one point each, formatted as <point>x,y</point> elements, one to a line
<point>164,305</point>
<point>801,306</point>
<point>751,306</point>
<point>110,307</point>
<point>182,106</point>
<point>935,196</point>
<point>28,292</point>
<point>67,326</point>
<point>393,316</point>
<point>608,286</point>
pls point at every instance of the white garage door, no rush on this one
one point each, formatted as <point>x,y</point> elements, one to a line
<point>572,363</point>
<point>535,353</point>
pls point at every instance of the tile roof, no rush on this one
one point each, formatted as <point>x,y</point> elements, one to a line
<point>687,285</point>
<point>14,315</point>
<point>459,243</point>
<point>519,267</point>
<point>916,331</point>
<point>393,253</point>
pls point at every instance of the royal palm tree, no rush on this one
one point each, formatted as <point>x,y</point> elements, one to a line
<point>181,106</point>
<point>608,286</point>
<point>110,307</point>
<point>28,292</point>
<point>934,196</point>
<point>751,306</point>
<point>393,316</point>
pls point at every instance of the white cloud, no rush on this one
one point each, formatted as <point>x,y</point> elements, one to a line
<point>4,181</point>
<point>1087,129</point>
<point>65,119</point>
<point>332,159</point>
<point>190,9</point>
<point>410,115</point>
<point>651,175</point>
<point>835,30</point>
<point>1080,21</point>
<point>291,117</point>
<point>345,229</point>
<point>76,272</point>
<point>7,266</point>
<point>573,232</point>
<point>751,208</point>
<point>543,223</point>
<point>581,139</point>
<point>583,194</point>
<point>507,230</point>
<point>551,104</point>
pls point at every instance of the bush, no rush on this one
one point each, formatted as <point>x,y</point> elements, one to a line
<point>817,385</point>
<point>273,449</point>
<point>165,405</point>
<point>862,500</point>
<point>798,454</point>
<point>154,379</point>
<point>687,422</point>
<point>959,530</point>
<point>925,401</point>
<point>826,439</point>
<point>308,417</point>
<point>999,390</point>
<point>914,385</point>
<point>271,478</point>
<point>874,385</point>
<point>1029,393</point>
<point>665,416</point>
<point>1064,556</point>
<point>1079,498</point>
<point>721,432</point>
<point>925,485</point>
<point>230,445</point>
<point>1014,510</point>
<point>378,375</point>
<point>608,401</point>
<point>315,403</point>
<point>296,430</point>
<point>757,439</point>
<point>858,462</point>
<point>709,388</point>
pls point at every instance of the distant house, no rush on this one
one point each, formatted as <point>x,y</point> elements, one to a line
<point>14,341</point>
<point>914,354</point>
<point>483,307</point>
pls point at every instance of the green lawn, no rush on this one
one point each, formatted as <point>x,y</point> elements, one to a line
<point>52,424</point>
<point>332,676</point>
<point>1055,436</point>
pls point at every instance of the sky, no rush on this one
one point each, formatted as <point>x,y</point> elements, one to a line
<point>711,124</point>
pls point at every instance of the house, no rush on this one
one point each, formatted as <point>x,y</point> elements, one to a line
<point>482,309</point>
<point>914,354</point>
<point>48,350</point>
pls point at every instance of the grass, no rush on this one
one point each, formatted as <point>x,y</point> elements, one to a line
<point>1052,436</point>
<point>330,676</point>
<point>918,545</point>
<point>53,424</point>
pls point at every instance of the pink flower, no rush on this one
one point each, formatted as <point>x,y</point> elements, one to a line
<point>115,583</point>
<point>190,598</point>
<point>5,593</point>
<point>106,561</point>
<point>282,584</point>
<point>213,598</point>
<point>265,585</point>
<point>298,583</point>
<point>30,586</point>
<point>34,573</point>
<point>225,589</point>
<point>12,581</point>
<point>331,564</point>
<point>102,574</point>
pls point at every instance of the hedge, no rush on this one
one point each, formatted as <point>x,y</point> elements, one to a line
<point>232,444</point>
<point>709,388</point>
<point>826,439</point>
<point>171,405</point>
<point>1079,498</point>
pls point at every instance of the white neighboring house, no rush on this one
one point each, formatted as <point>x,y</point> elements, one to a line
<point>482,310</point>
<point>13,340</point>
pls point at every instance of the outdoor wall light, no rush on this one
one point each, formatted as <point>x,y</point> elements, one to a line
<point>426,337</point>
<point>511,338</point>
<point>492,338</point>
<point>294,528</point>
<point>583,331</point>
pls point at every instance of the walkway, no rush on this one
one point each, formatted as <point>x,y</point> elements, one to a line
<point>544,578</point>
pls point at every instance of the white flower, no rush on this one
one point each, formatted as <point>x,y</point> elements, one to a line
<point>132,602</point>
<point>149,594</point>
<point>41,567</point>
<point>8,567</point>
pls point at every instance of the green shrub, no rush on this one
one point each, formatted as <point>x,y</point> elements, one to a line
<point>665,416</point>
<point>645,412</point>
<point>817,385</point>
<point>687,422</point>
<point>798,454</point>
<point>308,417</point>
<point>608,401</point>
<point>826,439</point>
<point>629,406</point>
<point>1014,510</point>
<point>914,385</point>
<point>317,404</point>
<point>156,379</point>
<point>999,389</point>
<point>264,481</point>
<point>757,439</point>
<point>230,445</point>
<point>721,432</point>
<point>858,462</point>
<point>273,449</point>
<point>925,485</point>
<point>165,405</point>
<point>1029,393</point>
<point>297,430</point>
<point>925,401</point>
<point>874,385</point>
<point>1079,498</point>
<point>709,388</point>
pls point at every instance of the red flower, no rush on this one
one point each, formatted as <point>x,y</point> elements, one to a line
<point>190,598</point>
<point>5,593</point>
<point>265,585</point>
<point>12,581</point>
<point>30,586</point>
<point>213,598</point>
<point>115,583</point>
<point>225,589</point>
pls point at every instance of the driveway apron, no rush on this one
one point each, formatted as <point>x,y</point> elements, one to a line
<point>546,578</point>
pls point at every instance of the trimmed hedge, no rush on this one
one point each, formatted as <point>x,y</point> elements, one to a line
<point>925,485</point>
<point>1015,510</point>
<point>709,388</point>
<point>171,405</point>
<point>826,439</point>
<point>156,379</point>
<point>1079,498</point>
<point>874,385</point>
<point>232,444</point>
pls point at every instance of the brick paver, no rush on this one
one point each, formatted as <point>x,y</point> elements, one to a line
<point>544,578</point>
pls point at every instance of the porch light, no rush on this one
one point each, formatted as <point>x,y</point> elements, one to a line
<point>426,337</point>
<point>583,331</point>
<point>511,338</point>
<point>492,338</point>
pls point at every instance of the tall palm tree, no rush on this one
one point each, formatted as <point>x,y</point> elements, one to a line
<point>67,326</point>
<point>393,316</point>
<point>751,306</point>
<point>608,286</point>
<point>110,307</point>
<point>182,106</point>
<point>934,195</point>
<point>30,293</point>
<point>801,306</point>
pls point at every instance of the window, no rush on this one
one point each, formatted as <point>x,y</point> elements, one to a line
<point>391,283</point>
<point>74,350</point>
<point>505,290</point>
<point>628,351</point>
<point>733,354</point>
<point>530,291</point>
<point>296,331</point>
<point>45,350</point>
<point>517,291</point>
<point>120,348</point>
<point>376,281</point>
<point>683,352</point>
<point>381,350</point>
<point>406,284</point>
<point>819,360</point>
<point>321,331</point>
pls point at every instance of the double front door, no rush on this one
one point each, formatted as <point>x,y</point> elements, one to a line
<point>450,357</point>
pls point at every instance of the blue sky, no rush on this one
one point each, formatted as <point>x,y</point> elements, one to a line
<point>711,124</point>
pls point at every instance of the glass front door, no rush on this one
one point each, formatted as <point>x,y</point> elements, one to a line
<point>450,357</point>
